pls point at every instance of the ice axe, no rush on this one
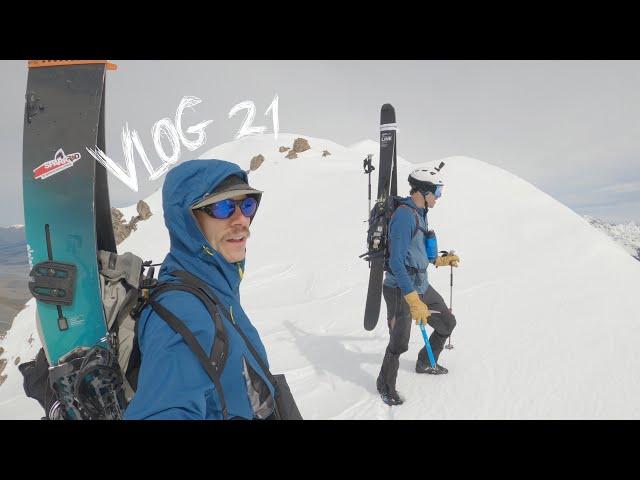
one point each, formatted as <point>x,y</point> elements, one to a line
<point>432,360</point>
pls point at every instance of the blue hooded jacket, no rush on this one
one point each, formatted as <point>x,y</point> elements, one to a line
<point>407,248</point>
<point>172,384</point>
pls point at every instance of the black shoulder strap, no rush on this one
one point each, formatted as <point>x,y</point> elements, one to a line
<point>214,364</point>
<point>192,280</point>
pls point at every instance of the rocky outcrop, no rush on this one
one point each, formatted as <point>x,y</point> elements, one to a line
<point>326,153</point>
<point>256,162</point>
<point>144,211</point>
<point>121,228</point>
<point>292,154</point>
<point>283,149</point>
<point>300,145</point>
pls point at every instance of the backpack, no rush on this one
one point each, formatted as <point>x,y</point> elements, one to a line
<point>378,242</point>
<point>101,382</point>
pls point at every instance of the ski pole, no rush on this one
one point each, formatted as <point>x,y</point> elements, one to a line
<point>449,346</point>
<point>432,361</point>
<point>368,168</point>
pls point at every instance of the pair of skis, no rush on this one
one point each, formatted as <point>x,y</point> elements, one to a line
<point>387,186</point>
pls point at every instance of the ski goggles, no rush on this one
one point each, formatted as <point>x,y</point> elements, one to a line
<point>225,208</point>
<point>436,193</point>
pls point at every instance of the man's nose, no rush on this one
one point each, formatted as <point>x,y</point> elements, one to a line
<point>238,219</point>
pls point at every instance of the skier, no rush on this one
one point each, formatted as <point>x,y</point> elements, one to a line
<point>208,208</point>
<point>406,289</point>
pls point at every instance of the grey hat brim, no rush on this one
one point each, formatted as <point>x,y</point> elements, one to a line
<point>230,193</point>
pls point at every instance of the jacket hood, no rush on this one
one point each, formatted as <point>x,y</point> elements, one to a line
<point>185,185</point>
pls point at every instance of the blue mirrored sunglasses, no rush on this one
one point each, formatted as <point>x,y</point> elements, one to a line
<point>225,208</point>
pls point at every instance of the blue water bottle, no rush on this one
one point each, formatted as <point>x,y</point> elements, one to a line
<point>431,245</point>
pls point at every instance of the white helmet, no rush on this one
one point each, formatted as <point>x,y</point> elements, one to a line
<point>426,179</point>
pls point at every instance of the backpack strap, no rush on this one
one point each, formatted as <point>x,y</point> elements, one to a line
<point>213,364</point>
<point>415,215</point>
<point>190,279</point>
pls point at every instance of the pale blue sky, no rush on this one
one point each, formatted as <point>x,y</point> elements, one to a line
<point>572,128</point>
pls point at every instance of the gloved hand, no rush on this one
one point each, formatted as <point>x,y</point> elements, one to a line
<point>445,260</point>
<point>419,310</point>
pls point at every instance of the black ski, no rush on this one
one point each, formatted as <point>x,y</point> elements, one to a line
<point>387,185</point>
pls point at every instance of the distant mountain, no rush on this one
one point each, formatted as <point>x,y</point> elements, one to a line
<point>625,234</point>
<point>14,271</point>
<point>12,234</point>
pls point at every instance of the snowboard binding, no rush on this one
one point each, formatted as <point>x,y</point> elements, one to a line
<point>88,385</point>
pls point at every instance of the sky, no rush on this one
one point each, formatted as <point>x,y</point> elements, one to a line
<point>571,128</point>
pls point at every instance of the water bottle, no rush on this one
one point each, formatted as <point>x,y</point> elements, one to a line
<point>431,245</point>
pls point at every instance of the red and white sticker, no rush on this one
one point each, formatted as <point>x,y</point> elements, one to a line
<point>60,162</point>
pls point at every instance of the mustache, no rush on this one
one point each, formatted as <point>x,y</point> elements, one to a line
<point>235,231</point>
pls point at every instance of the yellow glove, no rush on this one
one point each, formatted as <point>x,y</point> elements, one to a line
<point>419,310</point>
<point>447,260</point>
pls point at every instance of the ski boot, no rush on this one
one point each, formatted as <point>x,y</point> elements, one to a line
<point>390,397</point>
<point>437,370</point>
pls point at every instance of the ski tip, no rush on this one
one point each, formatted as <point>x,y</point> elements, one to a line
<point>387,114</point>
<point>368,325</point>
<point>58,63</point>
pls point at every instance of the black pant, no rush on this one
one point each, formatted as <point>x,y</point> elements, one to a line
<point>400,322</point>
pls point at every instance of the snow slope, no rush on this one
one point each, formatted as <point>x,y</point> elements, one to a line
<point>547,306</point>
<point>625,234</point>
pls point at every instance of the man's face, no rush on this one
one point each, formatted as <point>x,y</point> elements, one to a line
<point>227,236</point>
<point>430,199</point>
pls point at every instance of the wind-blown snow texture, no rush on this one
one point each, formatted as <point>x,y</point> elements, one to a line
<point>547,306</point>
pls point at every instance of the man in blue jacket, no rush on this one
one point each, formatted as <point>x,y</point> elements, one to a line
<point>208,208</point>
<point>406,289</point>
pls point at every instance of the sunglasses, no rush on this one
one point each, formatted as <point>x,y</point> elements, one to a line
<point>225,208</point>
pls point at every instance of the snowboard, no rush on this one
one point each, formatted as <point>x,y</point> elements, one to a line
<point>387,186</point>
<point>66,202</point>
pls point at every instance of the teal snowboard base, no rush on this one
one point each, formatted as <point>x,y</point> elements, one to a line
<point>66,204</point>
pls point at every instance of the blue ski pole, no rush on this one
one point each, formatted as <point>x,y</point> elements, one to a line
<point>428,346</point>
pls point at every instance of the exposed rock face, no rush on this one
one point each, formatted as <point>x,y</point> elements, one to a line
<point>292,154</point>
<point>256,162</point>
<point>300,145</point>
<point>326,153</point>
<point>283,149</point>
<point>144,212</point>
<point>121,228</point>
